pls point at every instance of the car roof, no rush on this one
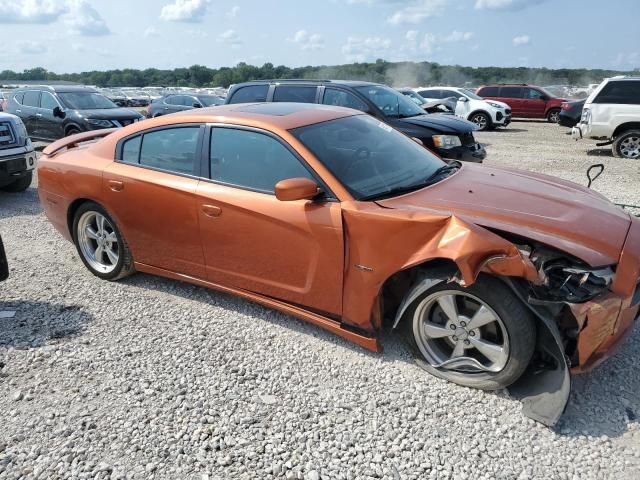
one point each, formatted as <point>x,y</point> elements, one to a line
<point>304,81</point>
<point>58,88</point>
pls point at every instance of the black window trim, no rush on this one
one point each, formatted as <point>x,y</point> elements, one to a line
<point>328,195</point>
<point>197,164</point>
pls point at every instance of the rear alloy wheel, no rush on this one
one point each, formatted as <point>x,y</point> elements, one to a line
<point>627,145</point>
<point>100,244</point>
<point>553,116</point>
<point>481,336</point>
<point>482,121</point>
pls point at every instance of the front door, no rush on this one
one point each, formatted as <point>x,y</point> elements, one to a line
<point>151,192</point>
<point>292,251</point>
<point>535,103</point>
<point>47,125</point>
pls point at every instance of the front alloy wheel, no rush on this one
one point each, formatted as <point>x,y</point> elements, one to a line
<point>481,120</point>
<point>479,336</point>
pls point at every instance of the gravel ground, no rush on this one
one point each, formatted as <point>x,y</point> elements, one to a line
<point>151,378</point>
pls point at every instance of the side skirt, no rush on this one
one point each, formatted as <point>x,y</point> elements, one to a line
<point>370,343</point>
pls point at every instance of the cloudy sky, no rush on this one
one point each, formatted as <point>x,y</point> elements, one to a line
<point>81,35</point>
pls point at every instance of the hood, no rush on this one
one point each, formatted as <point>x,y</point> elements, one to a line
<point>442,122</point>
<point>109,114</point>
<point>558,213</point>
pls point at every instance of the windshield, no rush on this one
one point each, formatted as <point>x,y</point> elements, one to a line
<point>470,94</point>
<point>208,100</point>
<point>368,157</point>
<point>391,102</point>
<point>86,100</point>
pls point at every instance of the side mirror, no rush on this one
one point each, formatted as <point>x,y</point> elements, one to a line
<point>58,112</point>
<point>197,105</point>
<point>296,189</point>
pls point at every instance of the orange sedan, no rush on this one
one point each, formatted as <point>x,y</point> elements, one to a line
<point>496,277</point>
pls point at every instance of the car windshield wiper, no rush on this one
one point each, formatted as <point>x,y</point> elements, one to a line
<point>436,176</point>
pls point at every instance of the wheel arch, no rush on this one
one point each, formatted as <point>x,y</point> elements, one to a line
<point>71,125</point>
<point>620,129</point>
<point>552,108</point>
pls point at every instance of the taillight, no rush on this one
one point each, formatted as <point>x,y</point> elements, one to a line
<point>565,106</point>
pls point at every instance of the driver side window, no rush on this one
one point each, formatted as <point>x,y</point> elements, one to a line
<point>252,160</point>
<point>341,98</point>
<point>534,94</point>
<point>47,101</point>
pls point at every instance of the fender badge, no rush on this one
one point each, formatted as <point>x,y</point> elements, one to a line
<point>363,268</point>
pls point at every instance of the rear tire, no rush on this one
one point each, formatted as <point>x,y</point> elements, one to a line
<point>502,345</point>
<point>627,145</point>
<point>553,115</point>
<point>19,185</point>
<point>100,244</point>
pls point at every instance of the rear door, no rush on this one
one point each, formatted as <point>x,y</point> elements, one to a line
<point>28,111</point>
<point>292,251</point>
<point>534,103</point>
<point>150,189</point>
<point>48,126</point>
<point>513,97</point>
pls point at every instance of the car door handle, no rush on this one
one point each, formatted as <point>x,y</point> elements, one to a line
<point>116,185</point>
<point>38,114</point>
<point>211,210</point>
<point>18,110</point>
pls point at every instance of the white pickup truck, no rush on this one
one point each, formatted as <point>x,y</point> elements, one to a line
<point>612,114</point>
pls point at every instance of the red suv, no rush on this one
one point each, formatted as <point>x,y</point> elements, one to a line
<point>527,101</point>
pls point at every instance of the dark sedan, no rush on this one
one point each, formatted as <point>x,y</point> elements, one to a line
<point>180,102</point>
<point>570,113</point>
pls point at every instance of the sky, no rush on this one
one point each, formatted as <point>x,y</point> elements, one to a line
<point>66,36</point>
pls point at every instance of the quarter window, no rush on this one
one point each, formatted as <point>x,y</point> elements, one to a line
<point>47,101</point>
<point>31,99</point>
<point>172,149</point>
<point>131,150</point>
<point>620,92</point>
<point>341,98</point>
<point>251,93</point>
<point>252,160</point>
<point>287,93</point>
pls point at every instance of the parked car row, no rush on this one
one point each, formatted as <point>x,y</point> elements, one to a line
<point>179,102</point>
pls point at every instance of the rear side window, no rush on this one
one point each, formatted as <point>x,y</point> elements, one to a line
<point>340,98</point>
<point>430,93</point>
<point>511,92</point>
<point>131,150</point>
<point>449,94</point>
<point>251,93</point>
<point>171,149</point>
<point>489,92</point>
<point>252,160</point>
<point>31,99</point>
<point>621,92</point>
<point>288,93</point>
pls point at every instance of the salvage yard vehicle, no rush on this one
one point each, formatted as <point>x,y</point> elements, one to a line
<point>50,113</point>
<point>451,138</point>
<point>526,101</point>
<point>486,114</point>
<point>612,114</point>
<point>17,157</point>
<point>570,113</point>
<point>179,103</point>
<point>497,278</point>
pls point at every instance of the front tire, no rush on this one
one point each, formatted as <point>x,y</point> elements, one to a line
<point>627,145</point>
<point>72,131</point>
<point>480,336</point>
<point>553,116</point>
<point>482,121</point>
<point>19,185</point>
<point>100,244</point>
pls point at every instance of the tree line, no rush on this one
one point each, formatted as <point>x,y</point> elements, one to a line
<point>397,74</point>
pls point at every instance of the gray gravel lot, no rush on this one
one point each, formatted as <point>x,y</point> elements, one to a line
<point>151,378</point>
